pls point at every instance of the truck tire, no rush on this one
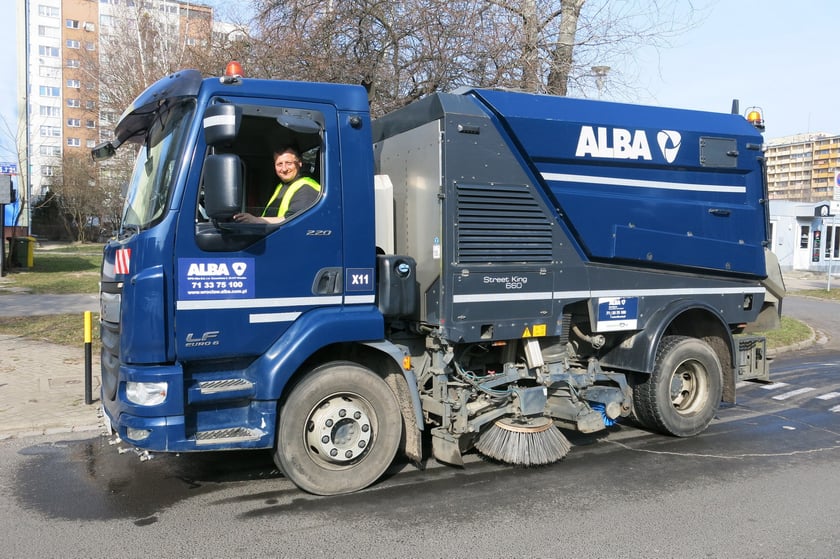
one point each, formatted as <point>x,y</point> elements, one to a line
<point>338,430</point>
<point>682,394</point>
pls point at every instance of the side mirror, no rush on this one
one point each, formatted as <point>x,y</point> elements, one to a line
<point>222,186</point>
<point>221,123</point>
<point>103,151</point>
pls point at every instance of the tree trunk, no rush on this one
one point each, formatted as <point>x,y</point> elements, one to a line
<point>562,56</point>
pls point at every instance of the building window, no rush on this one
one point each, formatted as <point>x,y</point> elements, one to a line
<point>48,11</point>
<point>72,24</point>
<point>90,104</point>
<point>74,103</point>
<point>832,242</point>
<point>47,170</point>
<point>90,143</point>
<point>74,122</point>
<point>75,84</point>
<point>50,131</point>
<point>90,124</point>
<point>89,26</point>
<point>47,51</point>
<point>50,151</point>
<point>49,91</point>
<point>72,44</point>
<point>48,31</point>
<point>74,63</point>
<point>89,45</point>
<point>804,233</point>
<point>74,142</point>
<point>48,72</point>
<point>45,110</point>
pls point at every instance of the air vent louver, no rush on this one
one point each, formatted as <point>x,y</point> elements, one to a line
<point>501,223</point>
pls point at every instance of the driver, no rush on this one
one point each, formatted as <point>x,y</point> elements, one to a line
<point>294,194</point>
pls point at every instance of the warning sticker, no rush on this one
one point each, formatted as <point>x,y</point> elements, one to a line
<point>217,278</point>
<point>536,331</point>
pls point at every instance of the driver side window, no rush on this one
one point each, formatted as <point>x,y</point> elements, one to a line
<point>277,154</point>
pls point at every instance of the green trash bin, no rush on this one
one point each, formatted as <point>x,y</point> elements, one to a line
<point>23,252</point>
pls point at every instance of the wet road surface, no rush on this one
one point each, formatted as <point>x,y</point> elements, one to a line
<point>760,482</point>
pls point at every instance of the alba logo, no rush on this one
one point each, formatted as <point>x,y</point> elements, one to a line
<point>669,144</point>
<point>615,143</point>
<point>620,143</point>
<point>239,268</point>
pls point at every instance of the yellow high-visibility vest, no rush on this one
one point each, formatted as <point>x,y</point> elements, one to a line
<point>296,185</point>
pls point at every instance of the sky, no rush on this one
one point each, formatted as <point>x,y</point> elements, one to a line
<point>779,55</point>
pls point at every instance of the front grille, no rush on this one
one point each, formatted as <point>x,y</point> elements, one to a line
<point>501,223</point>
<point>109,335</point>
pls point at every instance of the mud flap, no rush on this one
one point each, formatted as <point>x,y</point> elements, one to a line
<point>445,447</point>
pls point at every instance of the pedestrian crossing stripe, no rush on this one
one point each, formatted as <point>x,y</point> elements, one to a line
<point>793,393</point>
<point>824,397</point>
<point>774,386</point>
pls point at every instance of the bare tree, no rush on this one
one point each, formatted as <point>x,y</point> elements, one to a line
<point>77,196</point>
<point>402,50</point>
<point>139,45</point>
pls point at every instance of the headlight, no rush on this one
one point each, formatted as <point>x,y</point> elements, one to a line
<point>146,393</point>
<point>137,434</point>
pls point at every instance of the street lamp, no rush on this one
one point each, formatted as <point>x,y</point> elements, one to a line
<point>600,73</point>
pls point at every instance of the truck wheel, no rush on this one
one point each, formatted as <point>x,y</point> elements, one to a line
<point>682,395</point>
<point>338,430</point>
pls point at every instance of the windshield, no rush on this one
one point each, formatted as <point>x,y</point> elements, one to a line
<point>154,172</point>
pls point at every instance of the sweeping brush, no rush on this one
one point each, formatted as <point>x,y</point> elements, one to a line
<point>523,441</point>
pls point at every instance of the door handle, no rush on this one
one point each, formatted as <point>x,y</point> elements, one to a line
<point>328,281</point>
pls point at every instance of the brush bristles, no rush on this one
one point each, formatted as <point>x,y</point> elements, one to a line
<point>523,448</point>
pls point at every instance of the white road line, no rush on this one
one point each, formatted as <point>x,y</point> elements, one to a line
<point>793,393</point>
<point>775,385</point>
<point>829,396</point>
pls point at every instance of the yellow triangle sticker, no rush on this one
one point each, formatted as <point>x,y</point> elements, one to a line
<point>526,333</point>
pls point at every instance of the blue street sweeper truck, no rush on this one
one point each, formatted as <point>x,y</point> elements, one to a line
<point>481,270</point>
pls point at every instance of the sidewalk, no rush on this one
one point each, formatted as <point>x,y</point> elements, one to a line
<point>42,385</point>
<point>42,388</point>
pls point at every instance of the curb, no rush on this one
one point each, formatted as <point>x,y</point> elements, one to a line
<point>25,433</point>
<point>804,344</point>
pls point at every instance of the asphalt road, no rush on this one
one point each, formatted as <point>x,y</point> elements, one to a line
<point>820,314</point>
<point>761,482</point>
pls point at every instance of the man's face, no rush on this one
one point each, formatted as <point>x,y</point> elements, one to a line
<point>287,166</point>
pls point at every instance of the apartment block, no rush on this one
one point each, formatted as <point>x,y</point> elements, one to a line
<point>62,60</point>
<point>804,167</point>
